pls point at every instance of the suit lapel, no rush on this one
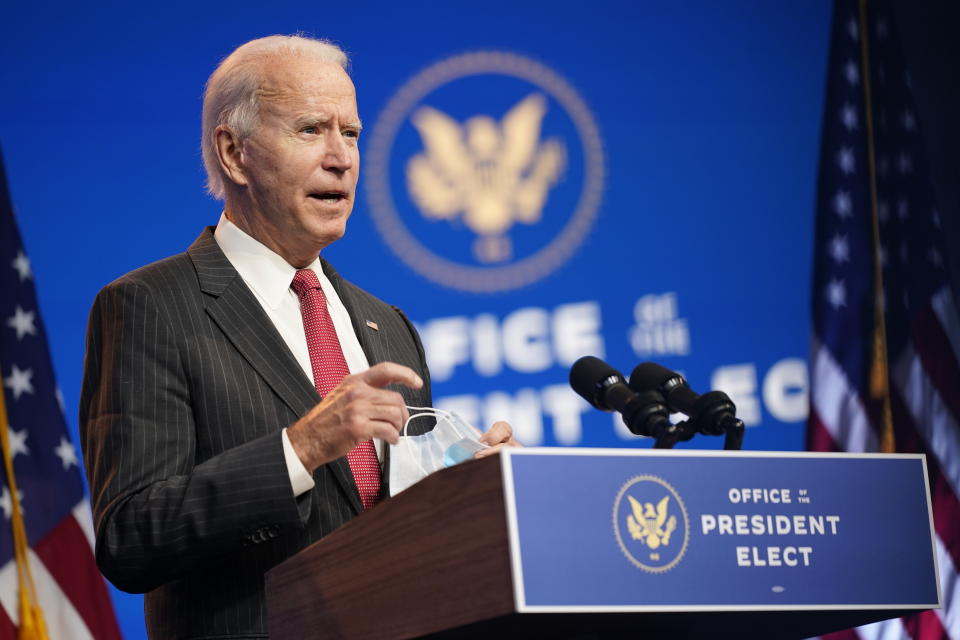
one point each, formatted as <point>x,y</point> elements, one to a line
<point>370,340</point>
<point>235,309</point>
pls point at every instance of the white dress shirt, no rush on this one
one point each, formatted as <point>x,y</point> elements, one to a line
<point>269,277</point>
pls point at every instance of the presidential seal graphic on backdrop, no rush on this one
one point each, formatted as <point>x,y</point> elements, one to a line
<point>491,174</point>
<point>650,523</point>
<point>485,172</point>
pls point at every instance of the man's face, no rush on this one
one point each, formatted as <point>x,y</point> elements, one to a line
<point>302,162</point>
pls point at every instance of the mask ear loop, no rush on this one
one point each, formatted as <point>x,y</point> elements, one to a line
<point>425,412</point>
<point>472,431</point>
<point>428,409</point>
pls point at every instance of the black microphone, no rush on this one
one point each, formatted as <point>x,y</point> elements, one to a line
<point>712,413</point>
<point>604,387</point>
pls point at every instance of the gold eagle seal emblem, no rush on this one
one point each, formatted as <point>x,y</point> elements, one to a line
<point>485,172</point>
<point>651,526</point>
<point>491,173</point>
<point>650,523</point>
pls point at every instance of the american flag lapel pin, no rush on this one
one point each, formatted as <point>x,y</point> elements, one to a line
<point>373,325</point>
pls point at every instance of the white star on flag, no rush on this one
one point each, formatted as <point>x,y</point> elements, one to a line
<point>66,453</point>
<point>70,592</point>
<point>848,115</point>
<point>904,162</point>
<point>853,75</point>
<point>18,442</point>
<point>22,322</point>
<point>840,249</point>
<point>903,209</point>
<point>19,382</point>
<point>909,121</point>
<point>22,264</point>
<point>917,355</point>
<point>845,160</point>
<point>842,204</point>
<point>852,29</point>
<point>7,505</point>
<point>837,294</point>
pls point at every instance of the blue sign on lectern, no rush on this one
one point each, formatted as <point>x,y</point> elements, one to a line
<point>655,530</point>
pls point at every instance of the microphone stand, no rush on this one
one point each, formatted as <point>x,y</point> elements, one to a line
<point>684,431</point>
<point>733,440</point>
<point>674,433</point>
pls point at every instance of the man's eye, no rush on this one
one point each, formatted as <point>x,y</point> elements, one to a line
<point>351,133</point>
<point>309,130</point>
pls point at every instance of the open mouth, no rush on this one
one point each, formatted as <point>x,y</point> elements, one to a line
<point>329,196</point>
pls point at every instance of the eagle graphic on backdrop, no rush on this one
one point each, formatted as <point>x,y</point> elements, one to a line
<point>492,174</point>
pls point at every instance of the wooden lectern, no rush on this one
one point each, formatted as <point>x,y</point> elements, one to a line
<point>435,561</point>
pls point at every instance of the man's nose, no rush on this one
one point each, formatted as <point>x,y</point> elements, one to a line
<point>337,156</point>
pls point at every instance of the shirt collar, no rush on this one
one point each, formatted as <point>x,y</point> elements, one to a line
<point>264,271</point>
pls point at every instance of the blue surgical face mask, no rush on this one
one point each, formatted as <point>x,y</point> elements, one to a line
<point>450,442</point>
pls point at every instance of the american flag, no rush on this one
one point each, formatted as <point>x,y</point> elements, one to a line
<point>70,590</point>
<point>886,334</point>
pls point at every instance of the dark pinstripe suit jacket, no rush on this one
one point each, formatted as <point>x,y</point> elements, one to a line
<point>187,385</point>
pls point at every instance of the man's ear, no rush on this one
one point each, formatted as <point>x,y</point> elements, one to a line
<point>230,154</point>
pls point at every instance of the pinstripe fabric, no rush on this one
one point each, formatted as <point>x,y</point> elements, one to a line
<point>187,385</point>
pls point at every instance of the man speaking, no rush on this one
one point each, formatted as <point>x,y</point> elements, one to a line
<point>235,405</point>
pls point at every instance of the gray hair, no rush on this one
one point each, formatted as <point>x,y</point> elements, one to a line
<point>232,95</point>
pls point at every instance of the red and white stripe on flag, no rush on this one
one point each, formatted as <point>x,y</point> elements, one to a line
<point>925,403</point>
<point>878,230</point>
<point>71,592</point>
<point>44,512</point>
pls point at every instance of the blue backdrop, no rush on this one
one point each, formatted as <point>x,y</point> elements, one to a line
<point>670,173</point>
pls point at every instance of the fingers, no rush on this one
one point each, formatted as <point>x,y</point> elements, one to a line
<point>386,431</point>
<point>490,451</point>
<point>354,411</point>
<point>499,433</point>
<point>366,402</point>
<point>499,436</point>
<point>393,416</point>
<point>367,412</point>
<point>384,373</point>
<point>384,417</point>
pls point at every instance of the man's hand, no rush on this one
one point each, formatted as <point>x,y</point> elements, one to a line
<point>357,409</point>
<point>499,436</point>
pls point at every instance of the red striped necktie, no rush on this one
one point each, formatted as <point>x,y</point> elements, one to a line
<point>329,368</point>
